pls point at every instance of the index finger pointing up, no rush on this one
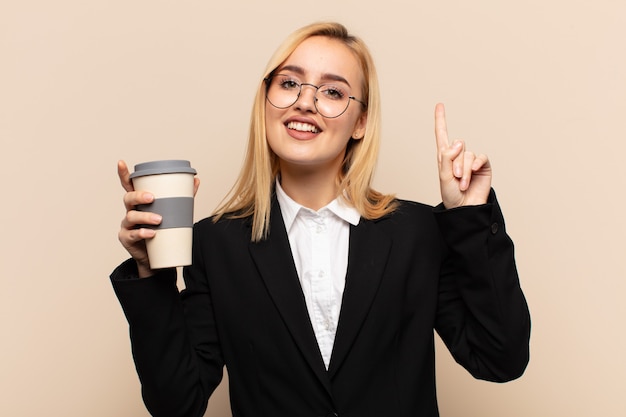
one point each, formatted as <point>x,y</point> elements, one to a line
<point>441,130</point>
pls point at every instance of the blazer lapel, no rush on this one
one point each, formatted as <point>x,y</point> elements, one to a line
<point>274,261</point>
<point>367,257</point>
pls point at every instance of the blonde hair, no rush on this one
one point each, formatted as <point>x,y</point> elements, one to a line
<point>251,194</point>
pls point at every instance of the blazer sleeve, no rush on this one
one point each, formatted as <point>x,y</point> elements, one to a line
<point>482,315</point>
<point>174,340</point>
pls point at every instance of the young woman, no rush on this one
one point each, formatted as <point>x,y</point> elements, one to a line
<point>319,294</point>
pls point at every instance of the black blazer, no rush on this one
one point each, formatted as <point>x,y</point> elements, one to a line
<point>413,271</point>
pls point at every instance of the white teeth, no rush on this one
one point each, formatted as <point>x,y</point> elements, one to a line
<point>302,127</point>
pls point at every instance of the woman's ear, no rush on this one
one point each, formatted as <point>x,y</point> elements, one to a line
<point>359,128</point>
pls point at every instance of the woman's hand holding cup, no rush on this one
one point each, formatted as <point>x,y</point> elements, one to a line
<point>131,237</point>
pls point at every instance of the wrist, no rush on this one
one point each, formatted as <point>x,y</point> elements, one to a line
<point>143,270</point>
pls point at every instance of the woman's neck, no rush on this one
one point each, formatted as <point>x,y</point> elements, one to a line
<point>313,189</point>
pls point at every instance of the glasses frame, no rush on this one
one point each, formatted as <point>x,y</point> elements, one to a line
<point>268,81</point>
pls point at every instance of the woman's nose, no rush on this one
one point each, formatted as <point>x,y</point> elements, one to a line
<point>306,99</point>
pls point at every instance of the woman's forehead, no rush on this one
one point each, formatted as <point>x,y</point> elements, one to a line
<point>324,58</point>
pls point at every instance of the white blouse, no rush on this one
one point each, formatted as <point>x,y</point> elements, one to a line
<point>319,245</point>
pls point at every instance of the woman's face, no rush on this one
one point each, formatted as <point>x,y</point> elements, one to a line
<point>299,135</point>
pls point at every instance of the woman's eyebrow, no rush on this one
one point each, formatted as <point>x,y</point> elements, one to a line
<point>335,77</point>
<point>325,77</point>
<point>293,68</point>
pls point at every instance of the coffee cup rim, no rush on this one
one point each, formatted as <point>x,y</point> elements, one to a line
<point>165,166</point>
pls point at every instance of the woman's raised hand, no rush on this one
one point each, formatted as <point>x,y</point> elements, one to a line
<point>464,177</point>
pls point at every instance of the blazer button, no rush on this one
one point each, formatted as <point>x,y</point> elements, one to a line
<point>494,228</point>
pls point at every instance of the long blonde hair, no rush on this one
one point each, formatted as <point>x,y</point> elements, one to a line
<point>251,194</point>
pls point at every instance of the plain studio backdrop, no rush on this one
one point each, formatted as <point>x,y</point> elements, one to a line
<point>539,86</point>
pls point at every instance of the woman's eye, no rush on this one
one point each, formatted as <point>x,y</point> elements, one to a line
<point>289,84</point>
<point>332,92</point>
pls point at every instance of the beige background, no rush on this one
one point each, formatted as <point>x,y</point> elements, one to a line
<point>538,85</point>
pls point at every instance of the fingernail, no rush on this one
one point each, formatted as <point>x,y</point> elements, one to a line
<point>149,197</point>
<point>156,218</point>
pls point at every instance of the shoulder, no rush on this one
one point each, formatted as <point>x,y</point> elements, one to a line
<point>407,210</point>
<point>223,228</point>
<point>410,225</point>
<point>413,206</point>
<point>409,216</point>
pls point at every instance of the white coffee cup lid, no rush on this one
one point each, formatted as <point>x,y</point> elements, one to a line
<point>168,166</point>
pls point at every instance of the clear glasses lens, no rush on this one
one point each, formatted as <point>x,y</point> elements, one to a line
<point>331,100</point>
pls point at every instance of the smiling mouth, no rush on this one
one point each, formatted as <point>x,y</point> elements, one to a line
<point>303,127</point>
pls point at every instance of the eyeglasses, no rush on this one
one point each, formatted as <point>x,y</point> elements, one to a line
<point>331,100</point>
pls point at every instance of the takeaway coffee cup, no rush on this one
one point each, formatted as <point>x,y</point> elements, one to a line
<point>171,182</point>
